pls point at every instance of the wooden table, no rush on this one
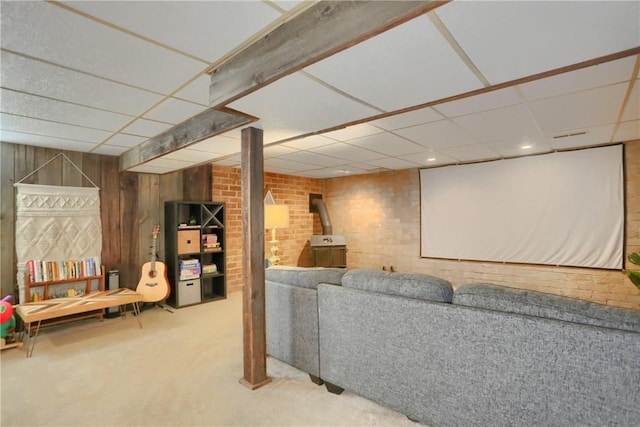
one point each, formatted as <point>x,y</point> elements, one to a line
<point>50,310</point>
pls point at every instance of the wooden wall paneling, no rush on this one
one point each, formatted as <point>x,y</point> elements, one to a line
<point>198,183</point>
<point>24,164</point>
<point>7,221</point>
<point>71,177</point>
<point>92,167</point>
<point>170,189</point>
<point>148,213</point>
<point>50,174</point>
<point>129,258</point>
<point>109,181</point>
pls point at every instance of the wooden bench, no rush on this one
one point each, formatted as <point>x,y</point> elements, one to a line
<point>52,309</point>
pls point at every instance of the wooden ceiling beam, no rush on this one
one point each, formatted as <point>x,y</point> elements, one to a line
<point>210,122</point>
<point>322,30</point>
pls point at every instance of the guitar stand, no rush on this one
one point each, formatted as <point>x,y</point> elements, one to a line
<point>162,306</point>
<point>147,306</point>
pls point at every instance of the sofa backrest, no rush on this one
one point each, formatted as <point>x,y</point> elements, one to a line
<point>540,304</point>
<point>410,285</point>
<point>306,277</point>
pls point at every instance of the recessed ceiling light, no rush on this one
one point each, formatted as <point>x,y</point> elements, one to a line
<point>431,159</point>
<point>526,146</point>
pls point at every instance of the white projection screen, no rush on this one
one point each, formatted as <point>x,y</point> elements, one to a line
<point>564,209</point>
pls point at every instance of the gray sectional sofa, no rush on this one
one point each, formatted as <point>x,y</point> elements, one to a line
<point>484,355</point>
<point>291,306</point>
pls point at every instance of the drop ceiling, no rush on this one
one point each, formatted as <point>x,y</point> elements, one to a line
<point>104,76</point>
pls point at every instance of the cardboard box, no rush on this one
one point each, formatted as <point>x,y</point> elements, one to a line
<point>188,241</point>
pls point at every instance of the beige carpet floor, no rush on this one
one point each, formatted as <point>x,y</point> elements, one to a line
<point>181,369</point>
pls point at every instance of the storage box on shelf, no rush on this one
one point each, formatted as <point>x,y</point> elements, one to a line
<point>194,246</point>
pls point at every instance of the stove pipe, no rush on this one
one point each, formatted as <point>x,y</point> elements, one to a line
<point>321,208</point>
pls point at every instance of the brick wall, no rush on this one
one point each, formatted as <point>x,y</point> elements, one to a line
<point>380,215</point>
<point>293,242</point>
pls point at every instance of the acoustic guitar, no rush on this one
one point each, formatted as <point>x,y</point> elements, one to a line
<point>153,284</point>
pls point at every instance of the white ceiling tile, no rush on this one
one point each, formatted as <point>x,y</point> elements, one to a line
<point>632,110</point>
<point>39,78</point>
<point>44,141</point>
<point>147,128</point>
<point>333,172</point>
<point>394,163</point>
<point>218,144</point>
<point>236,133</point>
<point>429,158</point>
<point>109,150</point>
<point>500,124</point>
<point>191,156</point>
<point>287,5</point>
<point>42,127</point>
<point>520,146</point>
<point>628,131</point>
<point>197,91</point>
<point>284,171</point>
<point>124,140</point>
<point>412,118</point>
<point>48,109</point>
<point>509,40</point>
<point>287,164</point>
<point>470,153</point>
<point>231,161</point>
<point>407,65</point>
<point>352,132</point>
<point>163,162</point>
<point>577,110</point>
<point>300,104</point>
<point>587,78</point>
<point>314,159</point>
<point>479,103</point>
<point>205,29</point>
<point>362,166</point>
<point>437,135</point>
<point>174,111</point>
<point>387,143</point>
<point>75,41</point>
<point>349,152</point>
<point>277,150</point>
<point>275,134</point>
<point>592,136</point>
<point>309,142</point>
<point>145,168</point>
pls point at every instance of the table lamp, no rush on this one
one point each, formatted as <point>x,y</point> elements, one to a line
<point>275,217</point>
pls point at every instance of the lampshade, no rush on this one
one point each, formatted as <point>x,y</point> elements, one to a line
<point>276,216</point>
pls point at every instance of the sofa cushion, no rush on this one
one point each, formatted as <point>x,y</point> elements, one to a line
<point>306,277</point>
<point>410,285</point>
<point>540,304</point>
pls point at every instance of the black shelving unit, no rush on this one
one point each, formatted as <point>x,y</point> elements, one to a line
<point>194,243</point>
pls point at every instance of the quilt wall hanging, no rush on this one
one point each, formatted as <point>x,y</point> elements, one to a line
<point>56,223</point>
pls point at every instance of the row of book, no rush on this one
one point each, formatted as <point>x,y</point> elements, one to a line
<point>49,271</point>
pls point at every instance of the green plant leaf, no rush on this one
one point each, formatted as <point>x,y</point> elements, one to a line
<point>635,277</point>
<point>634,258</point>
